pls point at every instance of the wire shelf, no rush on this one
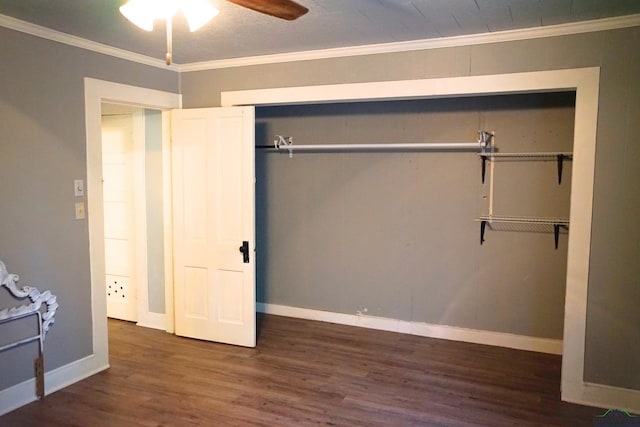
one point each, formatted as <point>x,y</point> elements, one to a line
<point>566,154</point>
<point>531,223</point>
<point>523,220</point>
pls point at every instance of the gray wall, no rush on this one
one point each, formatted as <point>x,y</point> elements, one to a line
<point>395,233</point>
<point>155,217</point>
<point>612,348</point>
<point>42,150</point>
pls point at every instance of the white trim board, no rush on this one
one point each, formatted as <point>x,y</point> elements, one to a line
<point>140,213</point>
<point>520,342</point>
<point>68,39</point>
<point>527,82</point>
<point>21,394</point>
<point>424,44</point>
<point>465,40</point>
<point>607,397</point>
<point>167,212</point>
<point>585,82</point>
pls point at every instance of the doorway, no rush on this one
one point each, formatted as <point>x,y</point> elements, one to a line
<point>98,92</point>
<point>133,217</point>
<point>394,231</point>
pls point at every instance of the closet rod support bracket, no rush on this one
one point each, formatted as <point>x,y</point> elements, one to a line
<point>485,139</point>
<point>284,142</point>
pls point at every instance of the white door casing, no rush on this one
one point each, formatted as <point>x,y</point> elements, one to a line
<point>213,213</point>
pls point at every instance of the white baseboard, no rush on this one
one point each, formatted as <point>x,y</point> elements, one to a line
<point>603,396</point>
<point>520,342</point>
<point>21,394</point>
<point>152,320</point>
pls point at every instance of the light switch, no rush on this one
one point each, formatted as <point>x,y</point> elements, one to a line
<point>80,214</point>
<point>78,187</point>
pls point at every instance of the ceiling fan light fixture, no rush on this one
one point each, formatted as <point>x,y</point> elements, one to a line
<point>142,13</point>
<point>198,13</point>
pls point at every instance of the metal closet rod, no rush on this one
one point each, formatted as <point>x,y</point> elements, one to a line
<point>286,143</point>
<point>393,146</point>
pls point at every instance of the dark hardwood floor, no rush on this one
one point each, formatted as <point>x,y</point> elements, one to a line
<point>309,373</point>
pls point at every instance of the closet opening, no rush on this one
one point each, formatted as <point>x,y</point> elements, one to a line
<point>396,234</point>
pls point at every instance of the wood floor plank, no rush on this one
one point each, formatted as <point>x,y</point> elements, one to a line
<point>305,373</point>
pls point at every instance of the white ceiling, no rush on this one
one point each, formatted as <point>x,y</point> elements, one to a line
<point>239,32</point>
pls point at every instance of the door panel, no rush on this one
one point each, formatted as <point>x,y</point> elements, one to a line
<point>196,293</point>
<point>230,290</point>
<point>213,202</point>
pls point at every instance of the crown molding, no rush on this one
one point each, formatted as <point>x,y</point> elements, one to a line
<point>68,39</point>
<point>372,49</point>
<point>466,40</point>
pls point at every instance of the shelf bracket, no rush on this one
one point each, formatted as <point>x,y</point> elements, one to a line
<point>483,226</point>
<point>484,166</point>
<point>561,158</point>
<point>556,232</point>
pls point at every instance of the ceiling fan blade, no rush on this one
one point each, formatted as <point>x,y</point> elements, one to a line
<point>284,9</point>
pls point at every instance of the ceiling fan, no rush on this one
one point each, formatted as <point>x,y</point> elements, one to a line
<point>284,9</point>
<point>198,12</point>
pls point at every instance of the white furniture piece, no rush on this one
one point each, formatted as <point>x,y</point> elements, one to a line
<point>33,308</point>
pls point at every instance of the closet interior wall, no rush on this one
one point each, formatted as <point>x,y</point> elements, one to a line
<point>393,234</point>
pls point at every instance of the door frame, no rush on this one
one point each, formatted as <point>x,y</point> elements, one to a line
<point>95,93</point>
<point>585,82</point>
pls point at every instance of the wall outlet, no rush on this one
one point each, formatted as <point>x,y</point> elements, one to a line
<point>80,213</point>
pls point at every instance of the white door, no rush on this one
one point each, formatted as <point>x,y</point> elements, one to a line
<point>119,228</point>
<point>214,224</point>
